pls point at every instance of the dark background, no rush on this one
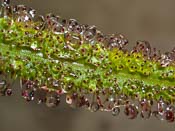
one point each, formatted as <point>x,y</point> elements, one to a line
<point>137,20</point>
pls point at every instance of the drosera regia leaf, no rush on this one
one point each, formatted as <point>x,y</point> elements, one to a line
<point>53,56</point>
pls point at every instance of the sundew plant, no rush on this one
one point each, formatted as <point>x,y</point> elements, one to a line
<point>54,57</point>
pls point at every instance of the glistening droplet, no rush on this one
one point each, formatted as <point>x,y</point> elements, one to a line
<point>122,99</point>
<point>28,95</point>
<point>28,89</point>
<point>89,33</point>
<point>145,109</point>
<point>131,111</point>
<point>2,83</point>
<point>32,12</point>
<point>3,87</point>
<point>100,37</point>
<point>73,39</point>
<point>170,113</point>
<point>52,99</point>
<point>115,111</point>
<point>72,23</point>
<point>161,108</point>
<point>5,2</point>
<point>8,92</point>
<point>143,47</point>
<point>41,24</point>
<point>22,14</point>
<point>169,116</point>
<point>58,28</point>
<point>69,100</point>
<point>94,107</point>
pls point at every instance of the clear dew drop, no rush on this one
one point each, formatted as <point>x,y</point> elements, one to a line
<point>115,111</point>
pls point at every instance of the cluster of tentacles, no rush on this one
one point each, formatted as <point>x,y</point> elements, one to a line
<point>55,57</point>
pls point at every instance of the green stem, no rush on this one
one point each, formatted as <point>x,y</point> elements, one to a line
<point>45,56</point>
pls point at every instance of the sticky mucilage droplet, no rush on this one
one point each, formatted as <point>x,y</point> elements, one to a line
<point>89,33</point>
<point>28,89</point>
<point>72,25</point>
<point>145,109</point>
<point>6,9</point>
<point>115,111</point>
<point>131,111</point>
<point>3,87</point>
<point>170,114</point>
<point>52,99</point>
<point>94,107</point>
<point>161,109</point>
<point>5,2</point>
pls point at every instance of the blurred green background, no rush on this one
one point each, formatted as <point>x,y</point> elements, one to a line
<point>151,20</point>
